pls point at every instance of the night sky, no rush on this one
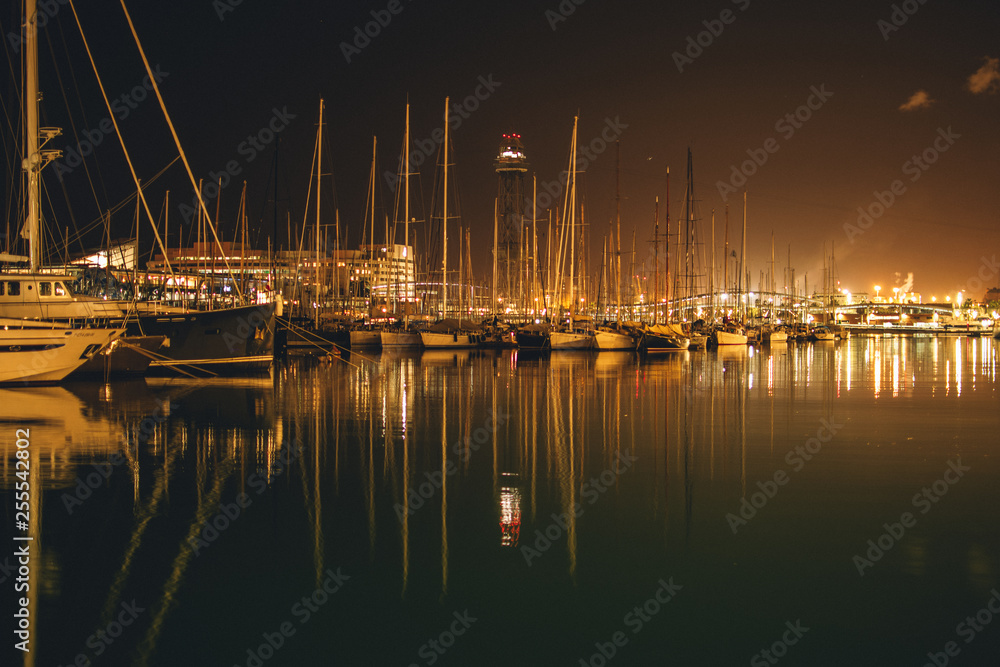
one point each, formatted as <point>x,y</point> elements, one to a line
<point>881,90</point>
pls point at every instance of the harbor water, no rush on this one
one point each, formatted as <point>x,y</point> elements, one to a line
<point>813,503</point>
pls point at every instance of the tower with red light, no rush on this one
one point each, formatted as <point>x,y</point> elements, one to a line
<point>511,166</point>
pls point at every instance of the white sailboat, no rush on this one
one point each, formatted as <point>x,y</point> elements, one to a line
<point>402,338</point>
<point>733,333</point>
<point>34,350</point>
<point>448,333</point>
<point>38,352</point>
<point>577,335</point>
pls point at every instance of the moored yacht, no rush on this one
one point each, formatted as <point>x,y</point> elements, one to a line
<point>35,352</point>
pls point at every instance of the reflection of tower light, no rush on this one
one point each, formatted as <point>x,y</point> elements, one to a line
<point>510,514</point>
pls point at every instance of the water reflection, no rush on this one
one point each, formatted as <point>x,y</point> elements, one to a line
<point>404,466</point>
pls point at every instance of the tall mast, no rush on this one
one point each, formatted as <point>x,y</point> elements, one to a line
<point>371,238</point>
<point>572,221</point>
<point>534,245</point>
<point>319,172</point>
<point>743,250</point>
<point>725,272</point>
<point>406,217</point>
<point>711,275</point>
<point>773,297</point>
<point>656,260</point>
<point>618,233</point>
<point>496,226</point>
<point>444,220</point>
<point>35,159</point>
<point>666,250</point>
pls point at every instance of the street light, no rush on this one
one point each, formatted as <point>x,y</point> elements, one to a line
<point>877,288</point>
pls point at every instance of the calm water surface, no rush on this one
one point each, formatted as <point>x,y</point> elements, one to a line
<point>475,508</point>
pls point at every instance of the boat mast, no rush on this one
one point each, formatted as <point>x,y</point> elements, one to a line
<point>406,217</point>
<point>319,172</point>
<point>572,222</point>
<point>711,275</point>
<point>773,297</point>
<point>617,273</point>
<point>534,245</point>
<point>656,260</point>
<point>34,158</point>
<point>444,221</point>
<point>496,226</point>
<point>666,250</point>
<point>743,250</point>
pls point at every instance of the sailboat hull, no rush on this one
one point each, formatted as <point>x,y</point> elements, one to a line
<point>729,338</point>
<point>400,340</point>
<point>657,343</point>
<point>38,355</point>
<point>532,340</point>
<point>365,338</point>
<point>564,340</point>
<point>613,340</point>
<point>431,340</point>
<point>229,340</point>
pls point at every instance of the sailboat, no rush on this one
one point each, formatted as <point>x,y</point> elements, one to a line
<point>401,337</point>
<point>578,334</point>
<point>448,333</point>
<point>613,336</point>
<point>237,338</point>
<point>657,338</point>
<point>734,332</point>
<point>38,351</point>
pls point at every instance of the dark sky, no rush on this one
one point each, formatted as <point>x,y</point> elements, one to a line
<point>229,67</point>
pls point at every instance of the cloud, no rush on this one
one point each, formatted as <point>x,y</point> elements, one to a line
<point>918,100</point>
<point>987,78</point>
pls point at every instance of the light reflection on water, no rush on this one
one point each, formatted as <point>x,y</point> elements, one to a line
<point>429,476</point>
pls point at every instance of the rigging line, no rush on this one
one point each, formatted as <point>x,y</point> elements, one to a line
<point>123,203</point>
<point>180,149</point>
<point>121,139</point>
<point>69,115</point>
